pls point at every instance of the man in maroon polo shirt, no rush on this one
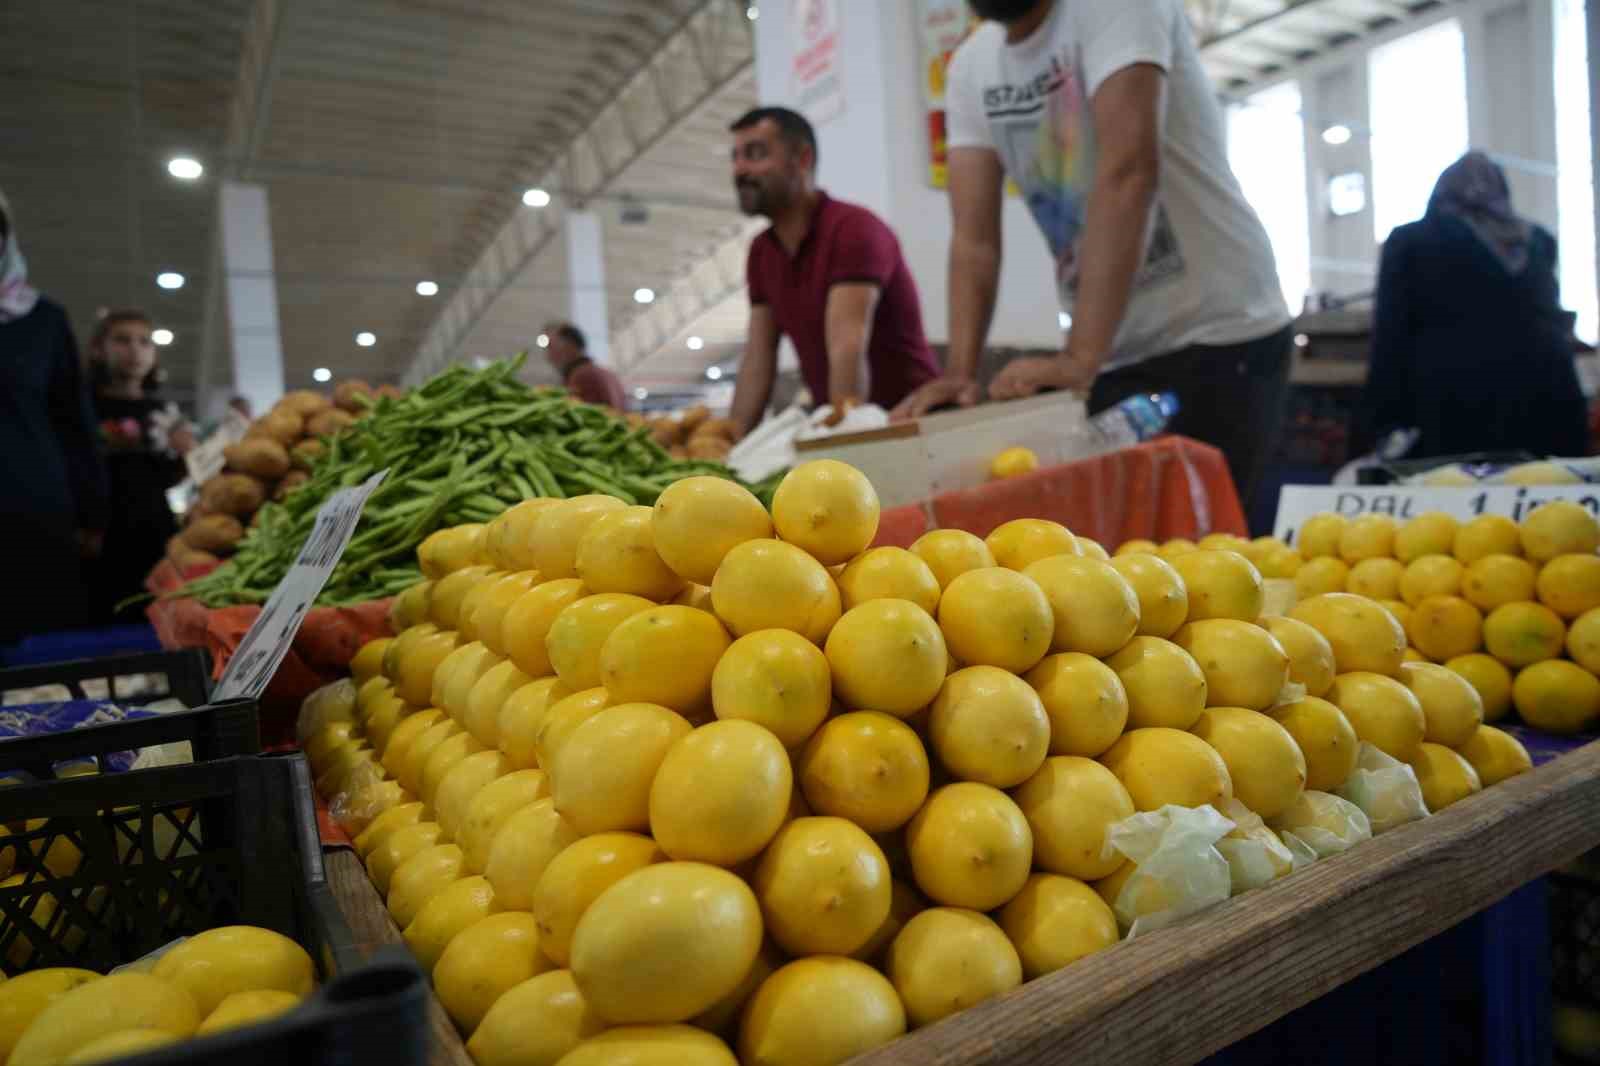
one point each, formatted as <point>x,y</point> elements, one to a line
<point>583,378</point>
<point>827,274</point>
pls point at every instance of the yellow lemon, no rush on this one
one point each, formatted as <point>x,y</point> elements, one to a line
<point>776,679</point>
<point>1490,678</point>
<point>1159,766</point>
<point>1433,533</point>
<point>1412,655</point>
<point>1024,541</point>
<point>828,509</point>
<point>522,716</point>
<point>664,655</point>
<point>248,1008</point>
<point>490,807</point>
<point>950,553</point>
<point>1070,804</point>
<point>989,726</point>
<point>449,912</point>
<point>696,596</point>
<point>120,1045</point>
<point>700,519</point>
<point>508,540</point>
<point>1092,549</point>
<point>1451,708</point>
<point>1220,584</point>
<point>1495,755</point>
<point>481,715</point>
<point>396,848</point>
<point>1327,741</point>
<point>484,963</point>
<point>367,663</point>
<point>886,655</point>
<point>1520,634</point>
<point>495,603</point>
<point>1013,462</point>
<point>1311,660</point>
<point>446,757</point>
<point>414,681</point>
<point>1264,762</point>
<point>1258,549</point>
<point>1138,546</point>
<point>420,878</point>
<point>1376,579</point>
<point>1096,611</point>
<point>409,609</point>
<point>1443,627</point>
<point>1163,597</point>
<point>239,958</point>
<point>1486,535</point>
<point>767,584</point>
<point>533,1023</point>
<point>1399,608</point>
<point>1570,585</point>
<point>398,648</point>
<point>1368,537</point>
<point>450,591</point>
<point>652,1045</point>
<point>524,846</point>
<point>1055,921</point>
<point>576,877</point>
<point>996,617</point>
<point>25,996</point>
<point>820,1010</point>
<point>1431,575</point>
<point>579,633</point>
<point>1557,696</point>
<point>1320,576</point>
<point>528,620</point>
<point>1444,775</point>
<point>1361,633</point>
<point>602,774</point>
<point>467,615</point>
<point>720,794</point>
<point>561,718</point>
<point>1383,712</point>
<point>617,553</point>
<point>823,886</point>
<point>1284,564</point>
<point>1497,579</point>
<point>378,830</point>
<point>464,781</point>
<point>1319,537</point>
<point>867,767</point>
<point>388,711</point>
<point>970,846</point>
<point>1084,700</point>
<point>1244,665</point>
<point>889,574</point>
<point>1559,528</point>
<point>947,959</point>
<point>905,903</point>
<point>1222,542</point>
<point>320,746</point>
<point>1163,683</point>
<point>449,550</point>
<point>1583,641</point>
<point>665,943</point>
<point>723,1017</point>
<point>553,541</point>
<point>1175,547</point>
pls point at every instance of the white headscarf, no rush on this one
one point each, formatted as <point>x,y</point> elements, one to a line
<point>17,297</point>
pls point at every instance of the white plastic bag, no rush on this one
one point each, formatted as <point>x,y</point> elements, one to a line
<point>1255,854</point>
<point>1179,870</point>
<point>1324,823</point>
<point>1386,789</point>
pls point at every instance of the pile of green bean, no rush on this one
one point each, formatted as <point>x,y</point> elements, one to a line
<point>461,448</point>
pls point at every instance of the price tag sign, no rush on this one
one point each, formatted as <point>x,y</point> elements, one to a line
<point>1403,502</point>
<point>205,460</point>
<point>264,646</point>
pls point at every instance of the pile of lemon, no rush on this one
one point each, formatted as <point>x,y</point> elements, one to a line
<point>704,784</point>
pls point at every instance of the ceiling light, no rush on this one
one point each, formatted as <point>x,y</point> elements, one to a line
<point>427,288</point>
<point>714,373</point>
<point>641,393</point>
<point>752,12</point>
<point>184,167</point>
<point>322,373</point>
<point>169,279</point>
<point>536,198</point>
<point>1302,340</point>
<point>1336,135</point>
<point>644,296</point>
<point>696,343</point>
<point>162,337</point>
<point>1063,320</point>
<point>365,339</point>
<point>544,340</point>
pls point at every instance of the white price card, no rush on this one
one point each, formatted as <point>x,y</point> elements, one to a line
<point>264,646</point>
<point>1402,502</point>
<point>205,460</point>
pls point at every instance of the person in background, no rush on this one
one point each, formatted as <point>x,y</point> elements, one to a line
<point>1470,346</point>
<point>144,439</point>
<point>568,352</point>
<point>52,485</point>
<point>1104,116</point>
<point>827,274</point>
<point>241,404</point>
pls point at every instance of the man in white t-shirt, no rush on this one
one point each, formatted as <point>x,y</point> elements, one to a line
<point>1102,114</point>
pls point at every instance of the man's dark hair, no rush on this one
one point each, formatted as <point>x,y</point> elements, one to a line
<point>792,126</point>
<point>573,336</point>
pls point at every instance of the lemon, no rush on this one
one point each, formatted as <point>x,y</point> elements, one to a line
<point>495,603</point>
<point>367,662</point>
<point>1443,627</point>
<point>1092,549</point>
<point>508,540</point>
<point>1412,655</point>
<point>1163,597</point>
<point>576,877</point>
<point>651,1045</point>
<point>464,781</point>
<point>1444,775</point>
<point>1495,755</point>
<point>451,549</point>
<point>1013,462</point>
<point>396,848</point>
<point>970,846</point>
<point>1498,579</point>
<point>767,584</point>
<point>467,615</point>
<point>448,913</point>
<point>1559,528</point>
<point>414,680</point>
<point>1159,766</point>
<point>950,553</point>
<point>25,996</point>
<point>1382,711</point>
<point>103,1007</point>
<point>239,958</point>
<point>823,886</point>
<point>1055,921</point>
<point>1431,575</point>
<point>1376,579</point>
<point>1521,634</point>
<point>450,753</point>
<point>700,519</point>
<point>481,716</point>
<point>1175,547</point>
<point>1285,564</point>
<point>820,1011</point>
<point>321,745</point>
<point>1096,611</point>
<point>1451,707</point>
<point>1327,741</point>
<point>1570,585</point>
<point>579,633</point>
<point>889,574</point>
<point>886,655</point>
<point>1557,696</point>
<point>1311,661</point>
<point>1222,542</point>
<point>867,767</point>
<point>1319,537</point>
<point>1371,536</point>
<point>528,620</point>
<point>1486,535</point>
<point>1221,584</point>
<point>720,793</point>
<point>448,593</point>
<point>399,647</point>
<point>1084,700</point>
<point>1361,633</point>
<point>1137,546</point>
<point>1583,641</point>
<point>1163,683</point>
<point>533,1023</point>
<point>1244,665</point>
<point>905,903</point>
<point>1490,678</point>
<point>696,596</point>
<point>248,1008</point>
<point>420,878</point>
<point>989,726</point>
<point>776,679</point>
<point>1070,804</point>
<point>602,774</point>
<point>557,531</point>
<point>1320,576</point>
<point>529,838</point>
<point>1433,533</point>
<point>947,959</point>
<point>120,1045</point>
<point>485,962</point>
<point>664,655</point>
<point>828,509</point>
<point>996,617</point>
<point>723,1016</point>
<point>409,609</point>
<point>617,553</point>
<point>666,942</point>
<point>1264,762</point>
<point>561,718</point>
<point>1020,543</point>
<point>388,714</point>
<point>521,718</point>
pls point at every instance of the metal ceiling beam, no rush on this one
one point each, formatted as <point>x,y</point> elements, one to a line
<point>715,279</point>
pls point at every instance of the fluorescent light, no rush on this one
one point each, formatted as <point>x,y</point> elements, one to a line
<point>1336,135</point>
<point>322,373</point>
<point>696,343</point>
<point>184,167</point>
<point>752,12</point>
<point>1063,320</point>
<point>544,340</point>
<point>714,373</point>
<point>644,296</point>
<point>641,393</point>
<point>162,337</point>
<point>1301,340</point>
<point>427,288</point>
<point>169,279</point>
<point>536,198</point>
<point>365,339</point>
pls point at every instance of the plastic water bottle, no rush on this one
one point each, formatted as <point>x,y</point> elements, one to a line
<point>1138,418</point>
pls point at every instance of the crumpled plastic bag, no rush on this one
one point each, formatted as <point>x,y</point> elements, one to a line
<point>1178,869</point>
<point>1385,788</point>
<point>331,703</point>
<point>1323,822</point>
<point>1256,856</point>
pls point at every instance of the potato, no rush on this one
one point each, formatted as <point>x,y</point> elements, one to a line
<point>291,481</point>
<point>283,426</point>
<point>260,457</point>
<point>214,533</point>
<point>666,431</point>
<point>327,423</point>
<point>708,448</point>
<point>694,416</point>
<point>304,402</point>
<point>677,451</point>
<point>352,396</point>
<point>192,558</point>
<point>391,392</point>
<point>233,494</point>
<point>635,419</point>
<point>176,548</point>
<point>721,428</point>
<point>305,454</point>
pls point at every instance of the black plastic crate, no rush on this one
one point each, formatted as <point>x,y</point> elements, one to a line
<point>187,672</point>
<point>214,731</point>
<point>176,850</point>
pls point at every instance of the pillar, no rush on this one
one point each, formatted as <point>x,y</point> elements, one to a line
<point>586,274</point>
<point>252,293</point>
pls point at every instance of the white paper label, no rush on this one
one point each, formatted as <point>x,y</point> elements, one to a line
<point>270,636</point>
<point>1402,502</point>
<point>205,460</point>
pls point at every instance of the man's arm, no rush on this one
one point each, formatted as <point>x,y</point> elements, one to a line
<point>847,323</point>
<point>757,370</point>
<point>1127,112</point>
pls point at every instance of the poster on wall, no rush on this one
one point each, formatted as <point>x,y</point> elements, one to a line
<point>943,24</point>
<point>815,74</point>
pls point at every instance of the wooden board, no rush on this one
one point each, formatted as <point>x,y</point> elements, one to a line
<point>374,929</point>
<point>1178,995</point>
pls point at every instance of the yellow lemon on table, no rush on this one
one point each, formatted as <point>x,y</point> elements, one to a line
<point>1362,634</point>
<point>1490,677</point>
<point>867,767</point>
<point>414,680</point>
<point>1570,585</point>
<point>1451,707</point>
<point>467,614</point>
<point>1327,741</point>
<point>238,958</point>
<point>617,553</point>
<point>25,996</point>
<point>652,1045</point>
<point>1221,584</point>
<point>777,679</point>
<point>1258,549</point>
<point>508,540</point>
<point>1284,564</point>
<point>1055,921</point>
<point>490,616</point>
<point>409,610</point>
<point>448,593</point>
<point>396,848</point>
<point>1399,608</point>
<point>561,718</point>
<point>988,725</point>
<point>1159,766</point>
<point>720,793</point>
<point>1489,534</point>
<point>889,574</point>
<point>420,878</point>
<point>947,959</point>
<point>1020,543</point>
<point>367,662</point>
<point>1163,597</point>
<point>484,962</point>
<point>664,655</point>
<point>1319,537</point>
<point>248,1008</point>
<point>1520,634</point>
<point>1320,576</point>
<point>449,912</point>
<point>579,633</point>
<point>576,877</point>
<point>1264,762</point>
<point>996,617</point>
<point>522,716</point>
<point>101,1008</point>
<point>532,1023</point>
<point>1368,537</point>
<point>464,781</point>
<point>1444,775</point>
<point>1092,549</point>
<point>723,1017</point>
<point>886,655</point>
<point>1557,696</point>
<point>1096,611</point>
<point>905,903</point>
<point>700,519</point>
<point>1494,580</point>
<point>1084,700</point>
<point>1376,579</point>
<point>767,584</point>
<point>1559,528</point>
<point>1495,755</point>
<point>1431,575</point>
<point>1311,660</point>
<point>1163,683</point>
<point>1219,542</point>
<point>820,1010</point>
<point>1137,546</point>
<point>828,509</point>
<point>823,886</point>
<point>1443,627</point>
<point>1070,804</point>
<point>528,620</point>
<point>120,1045</point>
<point>1433,533</point>
<point>553,541</point>
<point>1244,665</point>
<point>602,775</point>
<point>1013,462</point>
<point>521,850</point>
<point>1383,712</point>
<point>950,553</point>
<point>449,754</point>
<point>488,697</point>
<point>970,846</point>
<point>1583,641</point>
<point>1175,547</point>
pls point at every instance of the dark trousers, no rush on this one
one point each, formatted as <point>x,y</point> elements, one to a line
<point>1230,396</point>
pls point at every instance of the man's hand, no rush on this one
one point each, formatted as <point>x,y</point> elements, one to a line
<point>940,393</point>
<point>1029,377</point>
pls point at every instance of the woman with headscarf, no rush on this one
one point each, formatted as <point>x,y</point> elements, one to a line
<point>1471,348</point>
<point>52,484</point>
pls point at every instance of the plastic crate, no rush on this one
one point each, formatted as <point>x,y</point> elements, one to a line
<point>80,644</point>
<point>187,672</point>
<point>214,731</point>
<point>176,850</point>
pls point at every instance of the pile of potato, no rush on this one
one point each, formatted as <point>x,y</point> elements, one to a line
<point>691,434</point>
<point>272,460</point>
